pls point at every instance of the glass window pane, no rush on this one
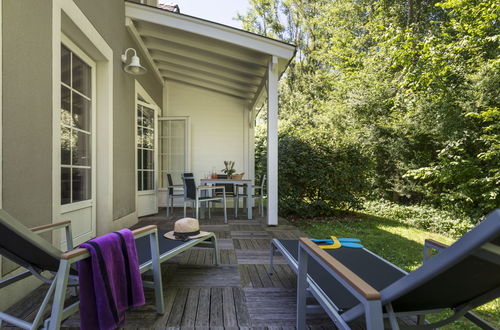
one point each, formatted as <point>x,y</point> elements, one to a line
<point>81,112</point>
<point>148,117</point>
<point>65,185</point>
<point>65,146</point>
<point>139,159</point>
<point>147,183</point>
<point>147,159</point>
<point>65,106</point>
<point>81,148</point>
<point>148,138</point>
<point>81,76</point>
<point>65,65</point>
<point>139,115</point>
<point>139,137</point>
<point>139,180</point>
<point>81,184</point>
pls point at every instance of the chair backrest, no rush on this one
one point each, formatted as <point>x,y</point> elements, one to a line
<point>229,187</point>
<point>170,184</point>
<point>25,248</point>
<point>187,175</point>
<point>189,187</point>
<point>468,270</point>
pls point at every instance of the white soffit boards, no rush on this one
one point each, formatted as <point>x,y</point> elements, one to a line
<point>205,54</point>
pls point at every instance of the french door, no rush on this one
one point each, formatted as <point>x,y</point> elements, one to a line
<point>146,145</point>
<point>174,152</point>
<point>77,141</point>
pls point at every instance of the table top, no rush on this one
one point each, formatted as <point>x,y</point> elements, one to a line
<point>226,180</point>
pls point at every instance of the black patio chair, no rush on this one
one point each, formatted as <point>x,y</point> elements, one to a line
<point>172,193</point>
<point>202,194</point>
<point>354,283</point>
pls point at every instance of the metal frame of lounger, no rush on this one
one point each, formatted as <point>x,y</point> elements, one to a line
<point>62,278</point>
<point>371,301</point>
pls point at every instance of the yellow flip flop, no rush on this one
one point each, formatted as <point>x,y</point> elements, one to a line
<point>336,244</point>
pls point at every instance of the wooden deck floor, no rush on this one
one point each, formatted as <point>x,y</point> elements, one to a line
<point>239,293</point>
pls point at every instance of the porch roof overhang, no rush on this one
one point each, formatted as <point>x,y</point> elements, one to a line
<point>206,54</point>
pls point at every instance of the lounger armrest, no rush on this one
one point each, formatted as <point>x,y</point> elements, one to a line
<point>435,244</point>
<point>353,280</point>
<point>82,253</point>
<point>51,226</point>
<point>429,245</point>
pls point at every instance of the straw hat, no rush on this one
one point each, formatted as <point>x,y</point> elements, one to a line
<point>186,228</point>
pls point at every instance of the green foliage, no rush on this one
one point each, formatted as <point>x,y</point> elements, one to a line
<point>398,96</point>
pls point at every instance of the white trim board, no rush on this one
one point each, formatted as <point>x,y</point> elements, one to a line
<point>1,118</point>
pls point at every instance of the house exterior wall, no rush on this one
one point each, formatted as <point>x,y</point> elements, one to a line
<point>109,19</point>
<point>219,127</point>
<point>27,115</point>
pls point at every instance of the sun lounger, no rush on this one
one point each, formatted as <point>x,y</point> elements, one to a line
<point>352,284</point>
<point>57,268</point>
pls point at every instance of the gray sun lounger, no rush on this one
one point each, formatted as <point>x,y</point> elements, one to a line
<point>41,259</point>
<point>352,284</point>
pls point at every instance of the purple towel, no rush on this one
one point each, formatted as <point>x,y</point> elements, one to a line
<point>110,281</point>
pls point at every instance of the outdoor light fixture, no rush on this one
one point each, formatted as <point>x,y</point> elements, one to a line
<point>135,66</point>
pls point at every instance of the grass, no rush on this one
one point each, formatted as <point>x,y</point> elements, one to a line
<point>394,240</point>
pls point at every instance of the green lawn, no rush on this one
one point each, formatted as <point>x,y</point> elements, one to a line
<point>393,240</point>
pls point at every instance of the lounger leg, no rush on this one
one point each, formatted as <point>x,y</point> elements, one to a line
<point>302,290</point>
<point>392,317</point>
<point>225,211</point>
<point>43,306</point>
<point>60,295</point>
<point>271,259</point>
<point>373,315</point>
<point>216,251</point>
<point>155,257</point>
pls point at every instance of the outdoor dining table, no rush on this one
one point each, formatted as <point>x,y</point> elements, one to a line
<point>247,182</point>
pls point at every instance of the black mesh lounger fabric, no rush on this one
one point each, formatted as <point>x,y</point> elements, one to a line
<point>373,270</point>
<point>164,244</point>
<point>23,252</point>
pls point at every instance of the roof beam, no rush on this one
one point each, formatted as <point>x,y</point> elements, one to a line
<point>208,76</point>
<point>260,93</point>
<point>137,38</point>
<point>209,86</point>
<point>230,76</point>
<point>212,46</point>
<point>205,66</point>
<point>153,45</point>
<point>210,30</point>
<point>216,84</point>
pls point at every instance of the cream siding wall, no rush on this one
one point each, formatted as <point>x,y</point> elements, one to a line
<point>219,127</point>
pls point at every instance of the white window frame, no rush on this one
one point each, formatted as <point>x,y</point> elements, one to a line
<point>84,57</point>
<point>81,29</point>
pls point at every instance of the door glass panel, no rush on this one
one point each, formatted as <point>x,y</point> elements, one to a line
<point>65,185</point>
<point>145,148</point>
<point>65,65</point>
<point>81,76</point>
<point>81,112</point>
<point>81,182</point>
<point>81,148</point>
<point>65,146</point>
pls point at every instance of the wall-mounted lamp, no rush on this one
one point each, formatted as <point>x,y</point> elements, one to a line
<point>135,66</point>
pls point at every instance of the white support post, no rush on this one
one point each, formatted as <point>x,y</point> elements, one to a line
<point>272,142</point>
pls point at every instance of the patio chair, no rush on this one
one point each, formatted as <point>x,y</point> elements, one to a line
<point>258,194</point>
<point>230,191</point>
<point>352,284</point>
<point>202,194</point>
<point>171,193</point>
<point>58,269</point>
